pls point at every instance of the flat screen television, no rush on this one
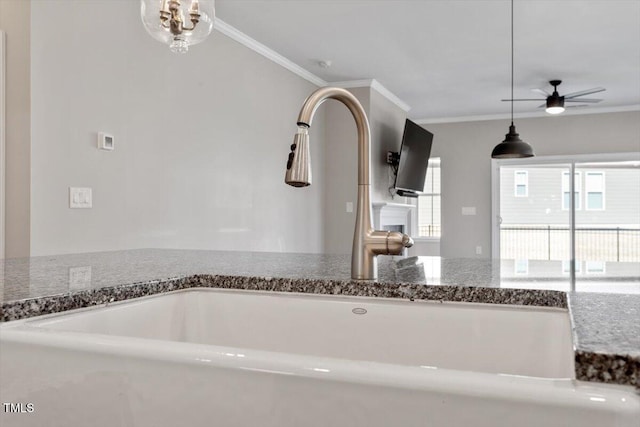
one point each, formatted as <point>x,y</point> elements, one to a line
<point>414,157</point>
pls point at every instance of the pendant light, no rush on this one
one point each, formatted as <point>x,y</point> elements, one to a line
<point>176,24</point>
<point>512,146</point>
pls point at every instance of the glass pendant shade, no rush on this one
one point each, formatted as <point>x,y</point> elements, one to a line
<point>178,23</point>
<point>512,146</point>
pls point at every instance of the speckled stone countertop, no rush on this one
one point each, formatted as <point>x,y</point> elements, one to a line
<point>605,307</point>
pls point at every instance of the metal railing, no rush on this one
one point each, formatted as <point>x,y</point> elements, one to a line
<point>429,231</point>
<point>553,243</point>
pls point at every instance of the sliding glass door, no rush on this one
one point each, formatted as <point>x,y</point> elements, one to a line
<point>607,230</point>
<point>533,226</point>
<point>544,235</point>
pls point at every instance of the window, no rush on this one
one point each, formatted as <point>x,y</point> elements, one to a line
<point>595,267</point>
<point>521,266</point>
<point>429,202</point>
<point>566,266</point>
<point>594,189</point>
<point>566,189</point>
<point>521,183</point>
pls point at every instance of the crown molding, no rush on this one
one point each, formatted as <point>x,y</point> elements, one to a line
<point>256,46</point>
<point>375,85</point>
<point>237,35</point>
<point>578,112</point>
<point>268,53</point>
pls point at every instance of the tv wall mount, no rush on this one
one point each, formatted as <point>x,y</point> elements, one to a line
<point>393,159</point>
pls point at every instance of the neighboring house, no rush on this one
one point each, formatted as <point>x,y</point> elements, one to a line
<point>535,213</point>
<point>540,196</point>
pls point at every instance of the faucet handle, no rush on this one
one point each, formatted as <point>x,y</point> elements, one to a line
<point>393,242</point>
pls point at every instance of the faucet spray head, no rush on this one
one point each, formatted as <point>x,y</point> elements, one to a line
<point>299,163</point>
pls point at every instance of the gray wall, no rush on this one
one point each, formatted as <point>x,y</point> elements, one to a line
<point>340,175</point>
<point>201,139</point>
<point>387,125</point>
<point>15,21</point>
<point>386,121</point>
<point>465,150</point>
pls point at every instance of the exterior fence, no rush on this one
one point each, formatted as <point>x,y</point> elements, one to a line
<point>553,243</point>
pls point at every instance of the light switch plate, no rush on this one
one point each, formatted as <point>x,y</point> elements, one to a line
<point>349,207</point>
<point>80,198</point>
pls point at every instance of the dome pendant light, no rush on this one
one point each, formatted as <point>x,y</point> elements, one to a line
<point>512,146</point>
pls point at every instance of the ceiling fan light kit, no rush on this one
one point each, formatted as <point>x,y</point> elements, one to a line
<point>512,146</point>
<point>555,106</point>
<point>554,103</point>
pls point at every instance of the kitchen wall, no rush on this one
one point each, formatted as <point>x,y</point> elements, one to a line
<point>201,140</point>
<point>386,120</point>
<point>465,150</point>
<point>341,177</point>
<point>15,21</point>
<point>387,126</point>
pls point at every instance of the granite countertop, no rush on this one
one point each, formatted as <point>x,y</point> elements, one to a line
<point>605,307</point>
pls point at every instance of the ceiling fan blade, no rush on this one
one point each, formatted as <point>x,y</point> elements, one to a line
<point>524,99</point>
<point>541,92</point>
<point>584,92</point>
<point>568,106</point>
<point>587,100</point>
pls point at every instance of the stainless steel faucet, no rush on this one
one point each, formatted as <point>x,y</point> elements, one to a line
<point>367,242</point>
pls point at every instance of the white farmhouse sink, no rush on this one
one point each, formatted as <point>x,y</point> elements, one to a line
<point>236,358</point>
<point>472,337</point>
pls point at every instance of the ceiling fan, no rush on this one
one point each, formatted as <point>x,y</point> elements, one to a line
<point>555,103</point>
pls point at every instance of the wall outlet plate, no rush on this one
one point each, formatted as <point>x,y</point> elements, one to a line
<point>106,141</point>
<point>469,210</point>
<point>80,198</point>
<point>349,207</point>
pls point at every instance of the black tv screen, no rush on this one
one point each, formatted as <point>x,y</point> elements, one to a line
<point>414,157</point>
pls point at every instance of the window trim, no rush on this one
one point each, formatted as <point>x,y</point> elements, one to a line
<point>437,162</point>
<point>526,183</point>
<point>586,191</point>
<point>577,190</point>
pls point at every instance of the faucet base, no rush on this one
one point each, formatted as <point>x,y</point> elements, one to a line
<point>367,270</point>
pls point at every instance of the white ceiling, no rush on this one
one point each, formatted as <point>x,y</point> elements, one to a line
<point>451,58</point>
